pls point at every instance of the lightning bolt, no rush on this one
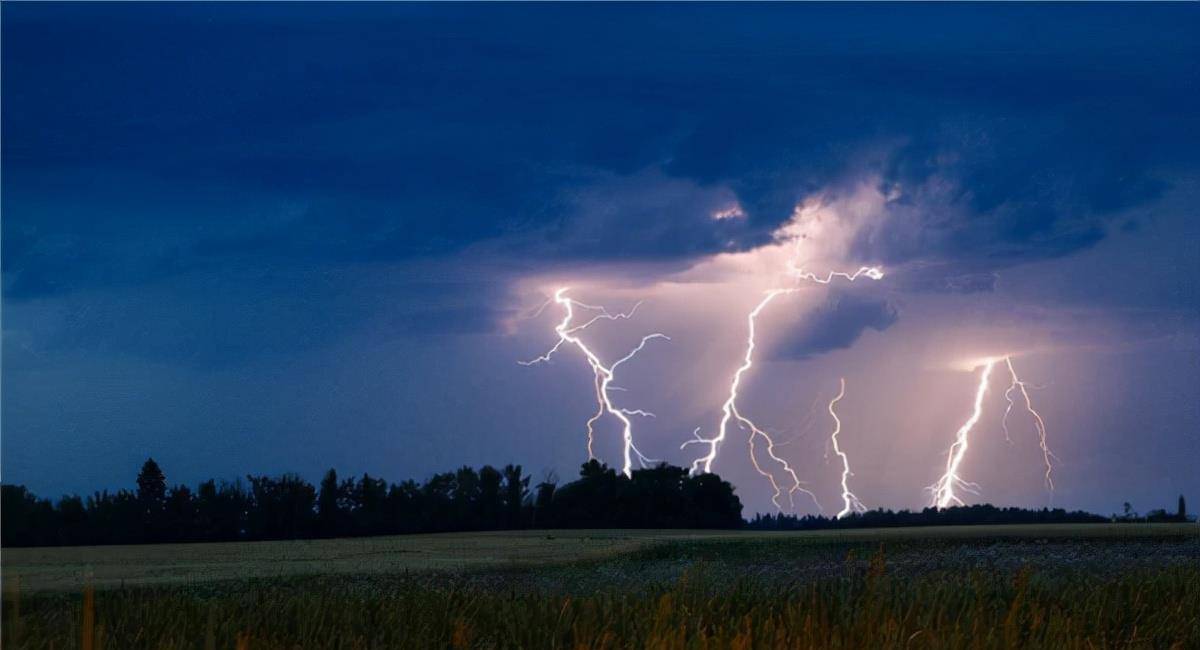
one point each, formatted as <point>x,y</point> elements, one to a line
<point>850,503</point>
<point>943,490</point>
<point>568,334</point>
<point>729,413</point>
<point>1038,423</point>
<point>729,410</point>
<point>869,271</point>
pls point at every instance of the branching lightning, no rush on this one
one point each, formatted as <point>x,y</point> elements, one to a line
<point>869,271</point>
<point>850,503</point>
<point>944,490</point>
<point>729,410</point>
<point>944,494</point>
<point>568,334</point>
<point>947,491</point>
<point>1038,423</point>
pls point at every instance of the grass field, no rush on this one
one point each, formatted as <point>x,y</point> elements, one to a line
<point>70,569</point>
<point>1010,586</point>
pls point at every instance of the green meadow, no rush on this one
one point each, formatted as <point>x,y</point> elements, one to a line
<point>1051,586</point>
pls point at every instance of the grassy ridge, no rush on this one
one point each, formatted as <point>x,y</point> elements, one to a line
<point>690,592</point>
<point>70,569</point>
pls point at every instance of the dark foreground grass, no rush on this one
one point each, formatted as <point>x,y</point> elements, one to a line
<point>713,595</point>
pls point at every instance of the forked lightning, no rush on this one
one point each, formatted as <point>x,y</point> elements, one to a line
<point>729,410</point>
<point>945,492</point>
<point>568,333</point>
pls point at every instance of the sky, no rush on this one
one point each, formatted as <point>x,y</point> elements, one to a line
<point>258,238</point>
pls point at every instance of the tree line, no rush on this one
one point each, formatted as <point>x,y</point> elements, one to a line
<point>962,515</point>
<point>289,507</point>
<point>1158,515</point>
<point>467,499</point>
<point>957,515</point>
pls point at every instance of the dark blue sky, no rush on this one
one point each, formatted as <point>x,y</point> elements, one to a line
<point>278,237</point>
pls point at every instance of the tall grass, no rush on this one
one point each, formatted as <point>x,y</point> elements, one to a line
<point>864,607</point>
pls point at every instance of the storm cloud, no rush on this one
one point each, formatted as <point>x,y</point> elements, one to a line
<point>272,137</point>
<point>315,229</point>
<point>836,324</point>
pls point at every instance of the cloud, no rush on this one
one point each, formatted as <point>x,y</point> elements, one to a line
<point>644,216</point>
<point>399,144</point>
<point>836,324</point>
<point>274,191</point>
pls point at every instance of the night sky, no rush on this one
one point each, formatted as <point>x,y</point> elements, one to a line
<point>265,238</point>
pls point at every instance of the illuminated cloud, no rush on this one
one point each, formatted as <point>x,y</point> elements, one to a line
<point>836,324</point>
<point>354,243</point>
<point>730,212</point>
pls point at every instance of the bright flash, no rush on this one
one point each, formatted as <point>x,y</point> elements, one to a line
<point>944,490</point>
<point>869,271</point>
<point>729,410</point>
<point>850,503</point>
<point>568,333</point>
<point>1038,423</point>
<point>944,494</point>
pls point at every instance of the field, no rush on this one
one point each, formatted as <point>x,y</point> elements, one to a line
<point>978,586</point>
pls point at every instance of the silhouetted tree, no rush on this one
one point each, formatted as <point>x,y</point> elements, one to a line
<point>588,502</point>
<point>1182,511</point>
<point>437,495</point>
<point>405,504</point>
<point>659,497</point>
<point>369,510</point>
<point>152,498</point>
<point>959,515</point>
<point>713,502</point>
<point>489,507</point>
<point>116,518</point>
<point>72,521</point>
<point>516,491</point>
<point>543,512</point>
<point>222,511</point>
<point>464,495</point>
<point>331,510</point>
<point>180,515</point>
<point>151,484</point>
<point>28,520</point>
<point>282,508</point>
<point>288,507</point>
